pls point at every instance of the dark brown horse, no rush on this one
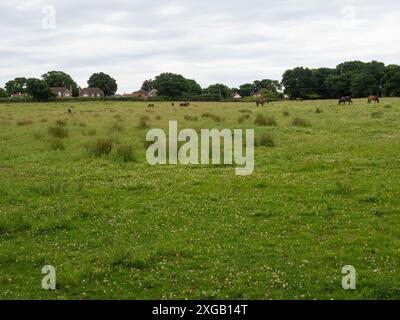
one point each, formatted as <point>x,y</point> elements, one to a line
<point>373,98</point>
<point>345,99</point>
<point>185,104</point>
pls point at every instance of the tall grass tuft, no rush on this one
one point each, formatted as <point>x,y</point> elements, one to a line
<point>144,123</point>
<point>58,132</point>
<point>300,122</point>
<point>24,123</point>
<point>265,140</point>
<point>262,120</point>
<point>125,152</point>
<point>103,146</point>
<point>57,144</point>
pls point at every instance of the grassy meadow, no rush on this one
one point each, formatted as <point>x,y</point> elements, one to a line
<point>77,193</point>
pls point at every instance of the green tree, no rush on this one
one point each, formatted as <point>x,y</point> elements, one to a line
<point>194,87</point>
<point>392,81</point>
<point>3,93</point>
<point>61,79</point>
<point>147,85</point>
<point>247,89</point>
<point>18,85</point>
<point>271,85</point>
<point>337,85</point>
<point>219,90</point>
<point>171,85</point>
<point>104,82</point>
<point>39,89</point>
<point>299,83</point>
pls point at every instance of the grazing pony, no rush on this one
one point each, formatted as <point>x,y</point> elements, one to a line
<point>346,99</point>
<point>262,101</point>
<point>373,98</point>
<point>185,104</point>
<point>150,106</point>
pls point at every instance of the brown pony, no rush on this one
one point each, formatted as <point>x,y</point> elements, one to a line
<point>346,99</point>
<point>373,98</point>
<point>262,101</point>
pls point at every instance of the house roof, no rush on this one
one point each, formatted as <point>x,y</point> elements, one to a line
<point>91,91</point>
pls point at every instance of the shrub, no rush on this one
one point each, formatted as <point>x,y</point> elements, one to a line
<point>245,111</point>
<point>387,106</point>
<point>244,118</point>
<point>318,110</point>
<point>57,144</point>
<point>61,123</point>
<point>100,147</point>
<point>158,117</point>
<point>116,127</point>
<point>377,114</point>
<point>44,120</point>
<point>125,152</point>
<point>38,135</point>
<point>24,122</point>
<point>58,132</point>
<point>262,120</point>
<point>286,113</point>
<point>300,122</point>
<point>190,118</point>
<point>265,140</point>
<point>144,123</point>
<point>82,125</point>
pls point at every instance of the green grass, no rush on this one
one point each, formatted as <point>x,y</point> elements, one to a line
<point>325,196</point>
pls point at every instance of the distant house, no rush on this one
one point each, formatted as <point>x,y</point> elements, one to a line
<point>237,96</point>
<point>142,94</point>
<point>17,95</point>
<point>152,93</point>
<point>91,93</point>
<point>61,92</point>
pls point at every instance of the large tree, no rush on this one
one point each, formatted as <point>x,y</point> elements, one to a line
<point>18,85</point>
<point>104,82</point>
<point>271,85</point>
<point>147,85</point>
<point>171,85</point>
<point>392,81</point>
<point>61,79</point>
<point>247,89</point>
<point>299,82</point>
<point>194,87</point>
<point>219,90</point>
<point>3,93</point>
<point>39,89</point>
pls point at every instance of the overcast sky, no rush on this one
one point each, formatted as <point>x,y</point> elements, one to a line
<point>228,41</point>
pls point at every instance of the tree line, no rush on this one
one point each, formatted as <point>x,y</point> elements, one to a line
<point>354,78</point>
<point>39,89</point>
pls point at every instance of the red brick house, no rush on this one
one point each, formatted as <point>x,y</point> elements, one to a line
<point>61,92</point>
<point>91,93</point>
